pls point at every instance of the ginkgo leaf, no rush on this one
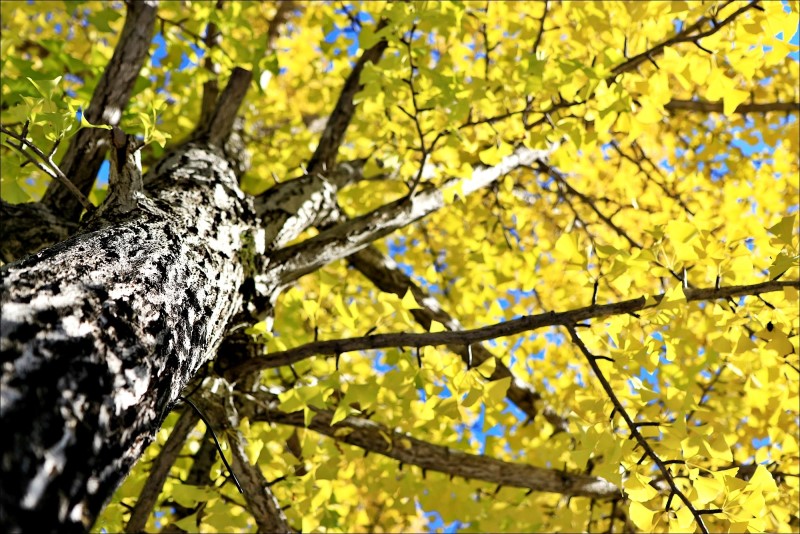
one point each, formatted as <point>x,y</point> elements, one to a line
<point>784,229</point>
<point>638,489</point>
<point>436,326</point>
<point>684,517</point>
<point>642,516</point>
<point>731,100</point>
<point>495,391</point>
<point>408,302</point>
<point>340,414</point>
<point>707,489</point>
<point>717,448</point>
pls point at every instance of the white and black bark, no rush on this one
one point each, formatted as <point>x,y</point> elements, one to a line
<point>101,332</point>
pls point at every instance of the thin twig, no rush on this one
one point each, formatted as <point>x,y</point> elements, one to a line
<point>49,167</point>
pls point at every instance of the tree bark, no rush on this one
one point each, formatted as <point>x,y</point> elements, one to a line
<point>100,333</point>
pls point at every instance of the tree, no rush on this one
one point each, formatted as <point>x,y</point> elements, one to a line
<point>531,266</point>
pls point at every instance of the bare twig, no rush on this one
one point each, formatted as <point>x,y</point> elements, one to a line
<point>634,430</point>
<point>502,329</point>
<point>703,106</point>
<point>48,166</point>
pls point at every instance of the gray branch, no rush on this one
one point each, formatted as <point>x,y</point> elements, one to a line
<point>159,470</point>
<point>86,152</point>
<point>703,106</point>
<point>503,329</point>
<point>353,235</point>
<point>372,436</point>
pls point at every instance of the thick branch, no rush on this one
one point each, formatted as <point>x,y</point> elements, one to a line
<point>384,273</point>
<point>261,502</point>
<point>377,438</point>
<point>100,333</point>
<point>503,329</point>
<point>351,236</point>
<point>28,227</point>
<point>333,135</point>
<point>159,471</point>
<point>219,126</point>
<point>703,106</point>
<point>85,153</point>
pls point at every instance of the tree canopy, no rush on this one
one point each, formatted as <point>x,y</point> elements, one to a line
<point>537,263</point>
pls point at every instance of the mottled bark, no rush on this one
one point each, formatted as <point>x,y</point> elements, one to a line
<point>27,228</point>
<point>101,332</point>
<point>352,235</point>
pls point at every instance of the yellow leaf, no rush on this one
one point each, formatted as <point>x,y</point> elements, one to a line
<point>472,397</point>
<point>779,342</point>
<point>408,302</point>
<point>310,307</point>
<point>436,326</point>
<point>707,489</point>
<point>495,391</point>
<point>253,450</point>
<point>717,448</point>
<point>638,489</point>
<point>685,518</point>
<point>491,156</point>
<point>762,478</point>
<point>642,516</point>
<point>340,414</point>
<point>567,248</point>
<point>487,367</point>
<point>753,503</point>
<point>691,446</point>
<point>731,100</point>
<point>784,229</point>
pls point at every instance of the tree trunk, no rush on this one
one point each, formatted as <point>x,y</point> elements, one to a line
<point>100,333</point>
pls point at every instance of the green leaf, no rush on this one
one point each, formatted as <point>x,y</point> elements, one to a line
<point>188,496</point>
<point>46,88</point>
<point>102,19</point>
